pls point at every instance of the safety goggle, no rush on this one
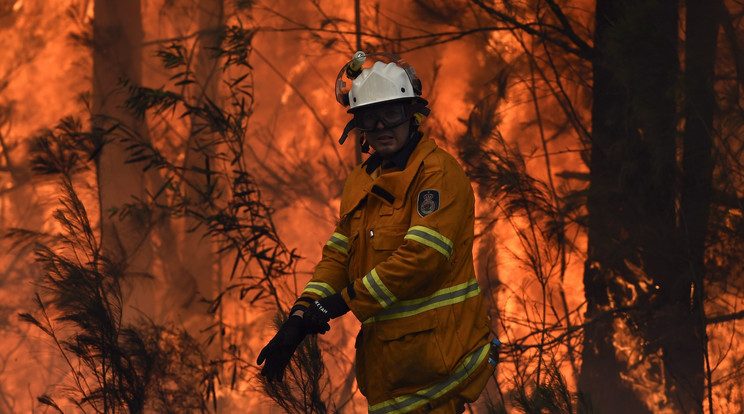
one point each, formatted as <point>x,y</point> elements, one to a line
<point>389,115</point>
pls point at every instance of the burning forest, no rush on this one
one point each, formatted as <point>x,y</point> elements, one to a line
<point>170,173</point>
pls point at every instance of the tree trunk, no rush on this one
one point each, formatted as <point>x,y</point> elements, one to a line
<point>684,351</point>
<point>631,200</point>
<point>188,260</point>
<point>600,378</point>
<point>117,55</point>
<point>197,249</point>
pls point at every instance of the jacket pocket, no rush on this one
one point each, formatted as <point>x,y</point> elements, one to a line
<point>410,353</point>
<point>386,238</point>
<point>386,210</point>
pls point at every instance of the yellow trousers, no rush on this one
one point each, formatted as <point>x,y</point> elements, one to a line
<point>469,393</point>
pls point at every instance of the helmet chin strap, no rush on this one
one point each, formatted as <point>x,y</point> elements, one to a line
<point>349,126</point>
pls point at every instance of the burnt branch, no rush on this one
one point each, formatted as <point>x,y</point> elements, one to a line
<point>543,31</point>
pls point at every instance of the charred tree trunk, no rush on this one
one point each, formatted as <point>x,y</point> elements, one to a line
<point>600,374</point>
<point>684,351</point>
<point>631,204</point>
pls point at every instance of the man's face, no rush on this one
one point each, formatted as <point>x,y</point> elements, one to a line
<point>386,128</point>
<point>387,142</point>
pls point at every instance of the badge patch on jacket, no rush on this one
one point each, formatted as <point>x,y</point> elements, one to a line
<point>428,202</point>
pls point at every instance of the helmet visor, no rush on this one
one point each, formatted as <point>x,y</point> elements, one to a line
<point>389,115</point>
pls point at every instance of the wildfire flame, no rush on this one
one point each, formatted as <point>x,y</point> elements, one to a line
<point>46,74</point>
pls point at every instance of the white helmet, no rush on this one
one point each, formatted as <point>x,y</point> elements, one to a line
<point>380,83</point>
<point>389,79</point>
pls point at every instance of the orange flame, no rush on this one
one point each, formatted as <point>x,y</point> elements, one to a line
<point>294,129</point>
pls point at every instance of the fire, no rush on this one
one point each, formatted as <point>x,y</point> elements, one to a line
<point>645,371</point>
<point>534,284</point>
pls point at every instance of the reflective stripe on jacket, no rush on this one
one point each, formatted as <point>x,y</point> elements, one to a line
<point>404,243</point>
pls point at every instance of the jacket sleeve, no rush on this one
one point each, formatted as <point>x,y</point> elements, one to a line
<point>330,276</point>
<point>442,200</point>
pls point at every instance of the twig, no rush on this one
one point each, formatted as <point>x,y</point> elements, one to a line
<point>528,27</point>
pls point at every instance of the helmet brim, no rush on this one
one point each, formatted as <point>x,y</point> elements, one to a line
<point>415,99</point>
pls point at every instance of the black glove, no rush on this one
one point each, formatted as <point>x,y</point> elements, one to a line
<point>316,317</point>
<point>279,350</point>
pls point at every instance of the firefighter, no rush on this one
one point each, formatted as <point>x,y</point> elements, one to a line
<point>400,258</point>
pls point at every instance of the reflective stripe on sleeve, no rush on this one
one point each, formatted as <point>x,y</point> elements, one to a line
<point>442,297</point>
<point>319,288</point>
<point>410,402</point>
<point>378,289</point>
<point>431,238</point>
<point>339,242</point>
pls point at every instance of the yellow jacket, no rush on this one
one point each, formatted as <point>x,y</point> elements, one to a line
<point>402,257</point>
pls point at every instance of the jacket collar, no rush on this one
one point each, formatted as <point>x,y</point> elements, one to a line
<point>390,187</point>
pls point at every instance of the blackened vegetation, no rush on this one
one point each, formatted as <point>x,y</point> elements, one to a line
<point>660,199</point>
<point>550,396</point>
<point>228,202</point>
<point>301,390</point>
<point>540,218</point>
<point>133,366</point>
<point>114,366</point>
<point>230,207</point>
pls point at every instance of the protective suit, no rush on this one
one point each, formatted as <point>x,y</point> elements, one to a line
<point>401,256</point>
<point>400,259</point>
